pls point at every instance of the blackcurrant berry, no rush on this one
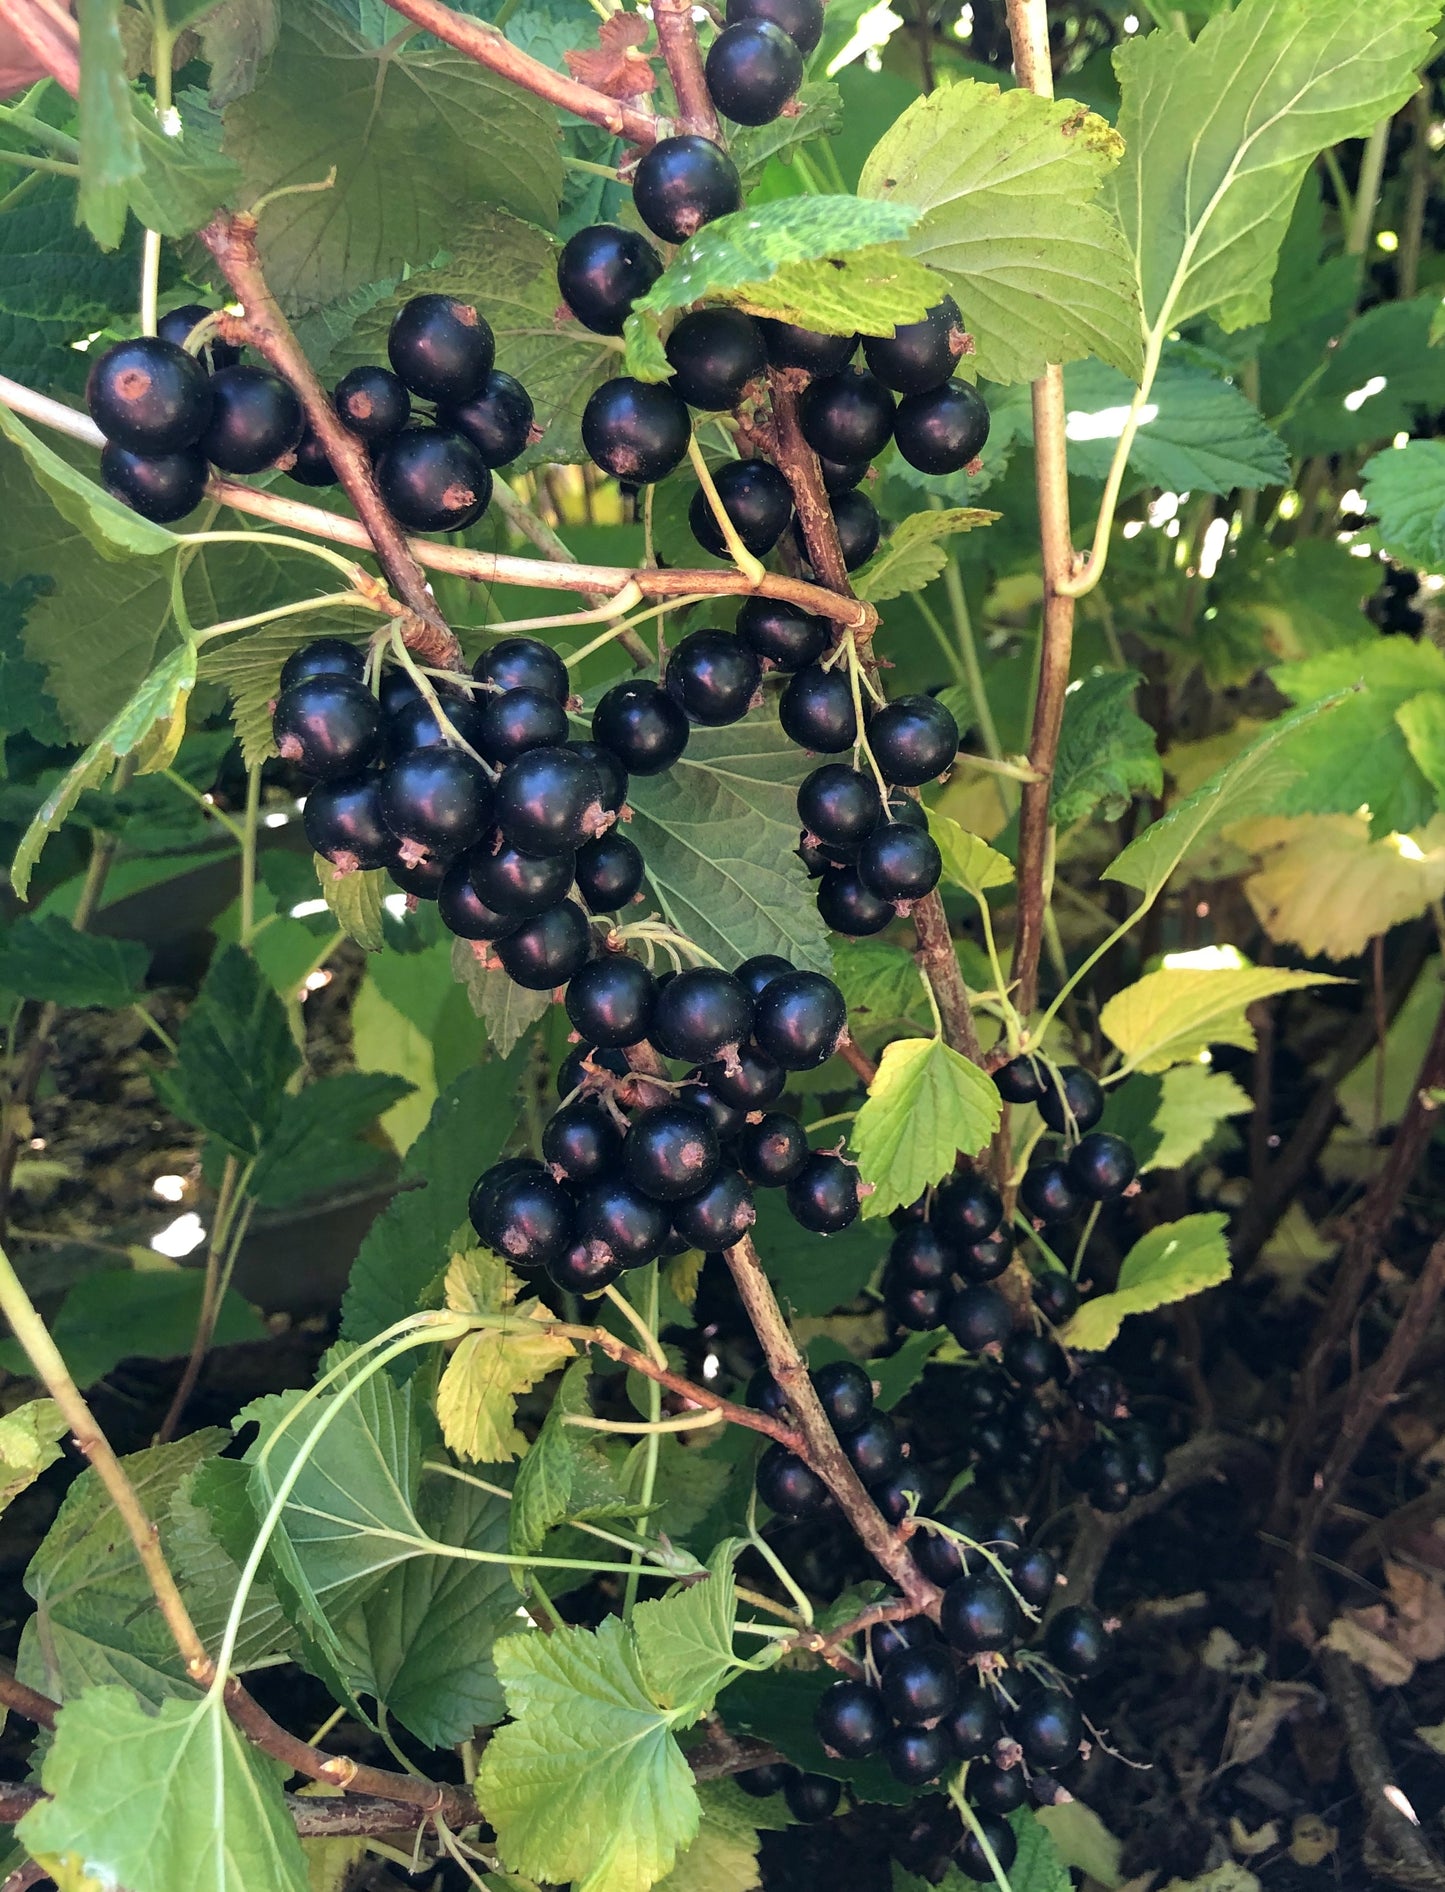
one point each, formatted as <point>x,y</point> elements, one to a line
<point>1023,1080</point>
<point>749,1081</point>
<point>582,1142</point>
<point>847,416</point>
<point>1073,1099</point>
<point>801,20</point>
<point>310,463</point>
<point>1076,1641</point>
<point>422,879</point>
<point>763,1782</point>
<point>996,1790</point>
<point>772,1151</point>
<point>371,402</point>
<point>943,430</point>
<point>918,1309</point>
<point>162,487</point>
<point>514,721</point>
<point>790,346</point>
<point>717,1216</point>
<point>149,396</point>
<point>765,1395</point>
<point>979,1318</point>
<point>1047,1192</point>
<point>602,271</point>
<point>1034,1573</point>
<point>979,1612</point>
<point>909,1632</point>
<point>974,1726</point>
<point>1029,1359</point>
<point>437,798</point>
<point>816,710</point>
<point>432,480</point>
<point>755,497</point>
<point>617,1220</point>
<point>918,1258</point>
<point>683,183</point>
<point>1102,1165</point>
<point>917,356</point>
<point>800,1020</point>
<point>584,1268</point>
<point>848,907</point>
<point>841,476</point>
<point>752,70</point>
<point>176,326</point>
<point>548,948</point>
<point>528,1218</point>
<point>549,801</point>
<point>987,1258</point>
<point>416,725</point>
<point>966,1208</point>
<point>328,726</point>
<point>812,1797</point>
<point>484,1189</point>
<point>642,726</point>
<point>713,675</point>
<point>441,348</point>
<point>699,1014</point>
<point>940,1558</point>
<point>609,872</point>
<point>671,1151</point>
<point>858,526</point>
<point>725,1118</point>
<point>788,1486</point>
<point>1055,1296</point>
<point>916,1755</point>
<point>823,1196</point>
<point>323,657</point>
<point>610,1000</point>
<point>636,430</point>
<point>523,663</point>
<point>913,739</point>
<point>1144,1457</point>
<point>1048,1727</point>
<point>759,971</point>
<point>851,1720</point>
<point>255,418</point>
<point>845,1393</point>
<point>974,1862</point>
<point>900,864</point>
<point>513,881</point>
<point>901,1495</point>
<point>342,820</point>
<point>464,912</point>
<point>497,420</point>
<point>572,1072</point>
<point>714,354</point>
<point>781,633</point>
<point>918,1685</point>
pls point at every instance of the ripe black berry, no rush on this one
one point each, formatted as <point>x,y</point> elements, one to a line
<point>323,657</point>
<point>978,1318</point>
<point>900,864</point>
<point>1029,1359</point>
<point>765,1395</point>
<point>1003,1843</point>
<point>523,663</point>
<point>714,354</point>
<point>987,1258</point>
<point>441,348</point>
<point>513,881</point>
<point>913,739</point>
<point>1076,1641</point>
<point>699,1013</point>
<point>149,396</point>
<point>841,476</point>
<point>918,1259</point>
<point>162,487</point>
<point>725,1118</point>
<point>371,402</point>
<point>789,346</point>
<point>848,907</point>
<point>1047,1192</point>
<point>918,1685</point>
<point>1143,1455</point>
<point>582,1142</point>
<point>979,1612</point>
<point>548,948</point>
<point>484,1189</point>
<point>848,416</point>
<point>642,726</point>
<point>497,419</point>
<point>823,1196</point>
<point>602,271</point>
<point>433,481</point>
<point>752,70</point>
<point>799,1020</point>
<point>437,798</point>
<point>967,1208</point>
<point>328,726</point>
<point>176,325</point>
<point>464,912</point>
<point>772,1151</point>
<point>510,724</point>
<point>1102,1165</point>
<point>1072,1098</point>
<point>421,879</point>
<point>671,1151</point>
<point>585,1268</point>
<point>801,20</point>
<point>918,1309</point>
<point>812,1797</point>
<point>749,1080</point>
<point>416,725</point>
<point>572,1071</point>
<point>845,1393</point>
<point>916,1755</point>
<point>974,1725</point>
<point>713,675</point>
<point>610,1000</point>
<point>918,355</point>
<point>858,526</point>
<point>781,633</point>
<point>788,1486</point>
<point>683,183</point>
<point>255,418</point>
<point>816,710</point>
<point>342,820</point>
<point>527,1217</point>
<point>610,773</point>
<point>1023,1080</point>
<point>1033,1574</point>
<point>996,1790</point>
<point>1098,1392</point>
<point>1048,1727</point>
<point>756,498</point>
<point>943,430</point>
<point>1055,1296</point>
<point>549,801</point>
<point>901,1495</point>
<point>617,1220</point>
<point>636,430</point>
<point>609,872</point>
<point>760,971</point>
<point>310,463</point>
<point>851,1720</point>
<point>762,1782</point>
<point>717,1216</point>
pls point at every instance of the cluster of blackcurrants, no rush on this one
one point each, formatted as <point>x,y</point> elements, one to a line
<point>169,414</point>
<point>634,1166</point>
<point>1096,1165</point>
<point>1393,608</point>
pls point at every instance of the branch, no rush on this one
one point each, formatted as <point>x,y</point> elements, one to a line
<point>20,1700</point>
<point>800,465</point>
<point>939,964</point>
<point>677,42</point>
<point>50,35</point>
<point>1373,1773</point>
<point>627,1356</point>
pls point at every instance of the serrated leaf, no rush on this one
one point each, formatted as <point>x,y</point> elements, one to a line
<point>1081,1839</point>
<point>28,1446</point>
<point>111,528</point>
<point>1172,1015</point>
<point>234,1055</point>
<point>313,1146</point>
<point>968,861</point>
<point>477,1398</point>
<point>1197,433</point>
<point>110,159</point>
<point>43,957</point>
<point>926,1105</point>
<point>1172,1262</point>
<point>724,1856</point>
<point>1106,751</point>
<point>816,112</point>
<point>1037,1866</point>
<point>1322,883</point>
<point>1009,183</point>
<point>1405,489</point>
<point>184,177</point>
<point>1376,379</point>
<point>685,1640</point>
<point>912,555</point>
<point>1193,1104</point>
<point>564,1475</point>
<point>355,901</point>
<point>505,1008</point>
<point>878,978</point>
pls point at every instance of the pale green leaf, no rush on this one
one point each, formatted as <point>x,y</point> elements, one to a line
<point>27,1445</point>
<point>506,1008</point>
<point>355,900</point>
<point>1172,1015</point>
<point>1082,1840</point>
<point>724,1856</point>
<point>1009,183</point>
<point>1037,1866</point>
<point>564,1476</point>
<point>968,861</point>
<point>1172,1262</point>
<point>816,112</point>
<point>477,1398</point>
<point>110,158</point>
<point>926,1105</point>
<point>111,528</point>
<point>1106,751</point>
<point>1194,1102</point>
<point>912,555</point>
<point>1405,489</point>
<point>1422,720</point>
<point>685,1640</point>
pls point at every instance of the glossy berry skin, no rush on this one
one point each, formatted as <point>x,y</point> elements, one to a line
<point>584,1268</point>
<point>718,1216</point>
<point>848,907</point>
<point>149,396</point>
<point>1029,1359</point>
<point>917,1309</point>
<point>162,487</point>
<point>610,773</point>
<point>944,430</point>
<point>996,1790</point>
<point>752,70</point>
<point>415,724</point>
<point>847,416</point>
<point>973,1726</point>
<point>1072,1099</point>
<point>914,739</point>
<point>516,721</point>
<point>523,663</point>
<point>800,1019</point>
<point>464,912</point>
<point>371,402</point>
<point>911,1632</point>
<point>176,324</point>
<point>642,726</point>
<point>714,354</point>
<point>328,726</point>
<point>616,1219</point>
<point>979,1318</point>
<point>323,657</point>
<point>582,1142</point>
<point>1098,1392</point>
<point>1076,1641</point>
<point>497,419</point>
<point>484,1189</point>
<point>917,356</point>
<point>1143,1455</point>
<point>255,418</point>
<point>900,864</point>
<point>310,463</point>
<point>699,1013</point>
<point>812,1797</point>
<point>725,1118</point>
<point>771,1152</point>
<point>750,1081</point>
<point>841,476</point>
<point>671,1151</point>
<point>683,183</point>
<point>790,346</point>
<point>816,711</point>
<point>917,1755</point>
<point>788,1486</point>
<point>801,20</point>
<point>1048,1727</point>
<point>433,481</point>
<point>602,271</point>
<point>845,1393</point>
<point>979,1613</point>
<point>903,1493</point>
<point>1056,1297</point>
<point>549,801</point>
<point>756,498</point>
<point>761,1783</point>
<point>1048,1194</point>
<point>1023,1080</point>
<point>422,879</point>
<point>939,1558</point>
<point>918,1259</point>
<point>760,971</point>
<point>823,1196</point>
<point>610,1000</point>
<point>1102,1165</point>
<point>918,1685</point>
<point>713,675</point>
<point>342,821</point>
<point>441,348</point>
<point>528,1218</point>
<point>967,1208</point>
<point>851,1720</point>
<point>548,948</point>
<point>859,528</point>
<point>438,798</point>
<point>513,881</point>
<point>765,1395</point>
<point>1034,1573</point>
<point>636,430</point>
<point>987,1258</point>
<point>781,633</point>
<point>972,1860</point>
<point>609,872</point>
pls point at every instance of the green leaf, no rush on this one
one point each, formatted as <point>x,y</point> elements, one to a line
<point>926,1105</point>
<point>718,831</point>
<point>1197,433</point>
<point>778,1707</point>
<point>507,1009</point>
<point>724,1856</point>
<point>1374,381</point>
<point>312,1147</point>
<point>45,958</point>
<point>184,178</point>
<point>27,1445</point>
<point>1009,183</point>
<point>1172,1015</point>
<point>1422,721</point>
<point>1405,489</point>
<point>111,528</point>
<point>685,1640</point>
<point>1172,1262</point>
<point>183,1803</point>
<point>912,555</point>
<point>878,978</point>
<point>235,1053</point>
<point>816,112</point>
<point>1194,1103</point>
<point>477,1399</point>
<point>1037,1866</point>
<point>900,1372</point>
<point>1219,132</point>
<point>116,1315</point>
<point>564,1476</point>
<point>110,158</point>
<point>813,1274</point>
<point>237,37</point>
<point>586,1783</point>
<point>1106,752</point>
<point>968,861</point>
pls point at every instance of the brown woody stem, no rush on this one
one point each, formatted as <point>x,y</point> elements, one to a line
<point>677,42</point>
<point>939,962</point>
<point>799,462</point>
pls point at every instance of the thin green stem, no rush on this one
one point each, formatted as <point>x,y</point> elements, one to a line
<point>177,780</point>
<point>352,572</point>
<point>751,568</point>
<point>968,653</point>
<point>681,1422</point>
<point>971,1821</point>
<point>1367,195</point>
<point>609,171</point>
<point>46,167</point>
<point>329,601</point>
<point>250,822</point>
<point>780,1570</point>
<point>932,1003</point>
<point>946,645</point>
<point>652,1346</point>
<point>652,1448</point>
<point>1090,1224</point>
<point>58,143</point>
<point>153,1024</point>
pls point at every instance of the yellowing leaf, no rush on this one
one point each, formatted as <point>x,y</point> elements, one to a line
<point>925,1106</point>
<point>724,1856</point>
<point>1193,1104</point>
<point>1325,886</point>
<point>1168,1264</point>
<point>968,862</point>
<point>27,1445</point>
<point>477,1398</point>
<point>1170,1016</point>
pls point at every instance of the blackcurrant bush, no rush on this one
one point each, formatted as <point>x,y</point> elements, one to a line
<point>800,1019</point>
<point>966,1208</point>
<point>974,1862</point>
<point>549,801</point>
<point>714,354</point>
<point>752,70</point>
<point>609,872</point>
<point>162,487</point>
<point>581,1141</point>
<point>437,798</point>
<point>759,971</point>
<point>812,1797</point>
<point>916,1755</point>
<point>763,1782</point>
<point>1048,1727</point>
<point>497,419</point>
<point>918,1685</point>
<point>755,497</point>
<point>801,20</point>
<point>371,402</point>
<point>176,325</point>
<point>1103,1165</point>
<point>1073,1099</point>
<point>749,1081</point>
<point>310,462</point>
<point>636,430</point>
<point>987,1258</point>
<point>816,710</point>
<point>997,1790</point>
<point>671,1151</point>
<point>602,271</point>
<point>772,1151</point>
<point>848,907</point>
<point>789,346</point>
<point>974,1726</point>
<point>642,726</point>
<point>513,881</point>
<point>683,183</point>
<point>255,418</point>
<point>917,356</point>
<point>572,1072</point>
<point>1055,1296</point>
<point>617,1220</point>
<point>1098,1392</point>
<point>432,480</point>
<point>1023,1080</point>
<point>901,1495</point>
<point>1047,1192</point>
<point>913,739</point>
<point>523,663</point>
<point>1033,1574</point>
<point>1029,1359</point>
<point>149,396</point>
<point>979,1613</point>
<point>1076,1641</point>
<point>548,948</point>
<point>464,912</point>
<point>850,1719</point>
<point>823,1196</point>
<point>725,1118</point>
<point>781,633</point>
<point>610,1000</point>
<point>323,657</point>
<point>441,348</point>
<point>845,1393</point>
<point>847,416</point>
<point>717,1216</point>
<point>584,1268</point>
<point>918,1309</point>
<point>713,675</point>
<point>342,821</point>
<point>699,1014</point>
<point>943,430</point>
<point>328,726</point>
<point>788,1486</point>
<point>528,1218</point>
<point>918,1258</point>
<point>900,864</point>
<point>858,526</point>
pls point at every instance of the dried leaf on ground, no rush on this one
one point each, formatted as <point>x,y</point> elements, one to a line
<point>1389,1640</point>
